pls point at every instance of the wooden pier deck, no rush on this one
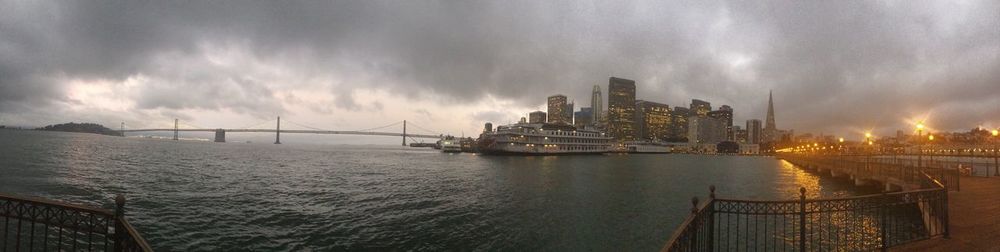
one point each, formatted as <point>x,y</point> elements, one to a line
<point>975,219</point>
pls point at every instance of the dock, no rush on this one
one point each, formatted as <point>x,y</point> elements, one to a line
<point>975,219</point>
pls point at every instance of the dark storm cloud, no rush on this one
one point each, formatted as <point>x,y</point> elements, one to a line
<point>832,65</point>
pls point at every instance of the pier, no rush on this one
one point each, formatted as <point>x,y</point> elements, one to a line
<point>913,210</point>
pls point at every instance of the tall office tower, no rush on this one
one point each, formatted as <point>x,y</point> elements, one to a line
<point>700,108</point>
<point>679,122</point>
<point>557,109</point>
<point>753,131</point>
<point>536,117</point>
<point>652,120</point>
<point>770,130</point>
<point>596,105</point>
<point>569,113</point>
<point>726,113</point>
<point>621,108</point>
<point>740,134</point>
<point>706,130</point>
<point>583,117</point>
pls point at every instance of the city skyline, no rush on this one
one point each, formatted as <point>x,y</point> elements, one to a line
<point>358,65</point>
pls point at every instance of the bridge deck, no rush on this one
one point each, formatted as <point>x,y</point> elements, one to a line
<point>975,219</point>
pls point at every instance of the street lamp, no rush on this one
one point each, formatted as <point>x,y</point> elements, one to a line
<point>996,165</point>
<point>920,136</point>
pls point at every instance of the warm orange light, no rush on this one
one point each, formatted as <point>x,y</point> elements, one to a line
<point>930,137</point>
<point>920,126</point>
<point>995,132</point>
<point>868,134</point>
<point>870,143</point>
<point>815,144</point>
<point>841,139</point>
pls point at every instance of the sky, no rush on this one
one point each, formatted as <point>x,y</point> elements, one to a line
<point>834,67</point>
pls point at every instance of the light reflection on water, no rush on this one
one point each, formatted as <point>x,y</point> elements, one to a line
<point>210,196</point>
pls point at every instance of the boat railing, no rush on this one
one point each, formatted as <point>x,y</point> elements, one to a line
<point>30,224</point>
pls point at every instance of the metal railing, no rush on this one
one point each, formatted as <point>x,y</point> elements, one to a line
<point>860,223</point>
<point>30,224</point>
<point>882,168</point>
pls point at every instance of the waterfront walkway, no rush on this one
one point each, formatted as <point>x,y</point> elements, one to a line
<point>975,219</point>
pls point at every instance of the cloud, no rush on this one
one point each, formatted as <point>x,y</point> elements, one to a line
<point>831,65</point>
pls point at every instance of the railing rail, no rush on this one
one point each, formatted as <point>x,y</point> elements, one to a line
<point>30,224</point>
<point>857,223</point>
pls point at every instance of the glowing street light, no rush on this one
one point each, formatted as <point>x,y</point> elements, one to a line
<point>996,163</point>
<point>842,139</point>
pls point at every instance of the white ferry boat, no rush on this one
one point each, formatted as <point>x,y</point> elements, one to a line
<point>450,144</point>
<point>543,139</point>
<point>646,147</point>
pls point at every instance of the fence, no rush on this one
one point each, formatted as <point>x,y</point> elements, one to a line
<point>860,223</point>
<point>30,224</point>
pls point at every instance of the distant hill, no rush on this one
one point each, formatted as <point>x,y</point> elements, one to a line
<point>82,128</point>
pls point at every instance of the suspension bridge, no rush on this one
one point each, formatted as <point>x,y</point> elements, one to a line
<point>220,133</point>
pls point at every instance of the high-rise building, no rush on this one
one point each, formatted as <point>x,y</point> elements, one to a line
<point>679,122</point>
<point>569,113</point>
<point>740,134</point>
<point>652,120</point>
<point>700,108</point>
<point>621,108</point>
<point>725,112</point>
<point>596,105</point>
<point>536,117</point>
<point>583,117</point>
<point>770,130</point>
<point>557,109</point>
<point>754,131</point>
<point>706,130</point>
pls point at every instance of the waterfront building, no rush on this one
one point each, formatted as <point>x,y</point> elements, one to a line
<point>543,139</point>
<point>679,122</point>
<point>753,131</point>
<point>770,129</point>
<point>557,109</point>
<point>725,113</point>
<point>583,117</point>
<point>652,120</point>
<point>596,105</point>
<point>706,130</point>
<point>621,109</point>
<point>537,117</point>
<point>700,108</point>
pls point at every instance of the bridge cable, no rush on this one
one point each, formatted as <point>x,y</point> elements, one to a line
<point>305,126</point>
<point>255,125</point>
<point>422,128</point>
<point>381,127</point>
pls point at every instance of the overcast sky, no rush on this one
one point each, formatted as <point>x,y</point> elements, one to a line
<point>835,67</point>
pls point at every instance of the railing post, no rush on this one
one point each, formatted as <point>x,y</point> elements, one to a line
<point>947,218</point>
<point>694,234</point>
<point>802,219</point>
<point>711,218</point>
<point>883,206</point>
<point>119,235</point>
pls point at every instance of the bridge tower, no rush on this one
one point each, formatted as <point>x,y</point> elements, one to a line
<point>404,132</point>
<point>220,135</point>
<point>277,132</point>
<point>175,128</point>
<point>122,130</point>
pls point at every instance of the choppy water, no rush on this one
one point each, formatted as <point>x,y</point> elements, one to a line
<point>186,195</point>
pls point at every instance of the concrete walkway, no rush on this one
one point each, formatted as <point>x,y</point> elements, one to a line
<point>975,219</point>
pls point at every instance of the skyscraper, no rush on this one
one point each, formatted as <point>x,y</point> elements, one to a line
<point>706,130</point>
<point>569,113</point>
<point>557,109</point>
<point>621,108</point>
<point>536,117</point>
<point>679,122</point>
<point>700,108</point>
<point>596,105</point>
<point>652,120</point>
<point>583,117</point>
<point>753,131</point>
<point>770,130</point>
<point>726,113</point>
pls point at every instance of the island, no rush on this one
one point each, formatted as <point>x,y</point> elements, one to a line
<point>81,128</point>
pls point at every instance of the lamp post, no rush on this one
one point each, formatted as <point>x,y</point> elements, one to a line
<point>868,151</point>
<point>840,146</point>
<point>920,138</point>
<point>996,165</point>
